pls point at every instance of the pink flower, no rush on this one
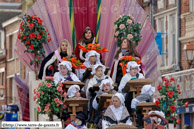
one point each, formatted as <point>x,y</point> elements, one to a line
<point>65,94</point>
<point>129,21</point>
<point>116,33</point>
<point>40,84</point>
<point>42,92</point>
<point>60,84</point>
<point>60,102</point>
<point>34,91</point>
<point>48,104</point>
<point>115,27</point>
<point>34,98</point>
<point>56,100</point>
<point>130,36</point>
<point>48,85</point>
<point>122,26</point>
<point>59,88</point>
<point>49,78</point>
<point>38,109</point>
<point>37,94</point>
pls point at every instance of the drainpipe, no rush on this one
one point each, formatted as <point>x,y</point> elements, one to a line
<point>5,75</point>
<point>152,12</point>
<point>178,34</point>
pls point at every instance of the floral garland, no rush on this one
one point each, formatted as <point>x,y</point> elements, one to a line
<point>77,64</point>
<point>33,34</point>
<point>125,59</point>
<point>125,27</point>
<point>168,102</point>
<point>95,47</point>
<point>50,97</point>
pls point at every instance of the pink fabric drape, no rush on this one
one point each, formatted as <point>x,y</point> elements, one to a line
<point>84,15</point>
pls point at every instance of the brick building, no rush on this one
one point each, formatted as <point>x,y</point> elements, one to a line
<point>174,19</point>
<point>8,9</point>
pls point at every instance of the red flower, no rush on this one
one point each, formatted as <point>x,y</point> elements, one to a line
<point>24,37</point>
<point>32,35</point>
<point>177,85</point>
<point>172,79</point>
<point>173,117</point>
<point>38,36</point>
<point>159,87</point>
<point>186,104</point>
<point>172,108</point>
<point>166,87</point>
<point>43,32</point>
<point>170,94</point>
<point>157,103</point>
<point>167,84</point>
<point>31,46</point>
<point>174,100</point>
<point>19,36</point>
<point>22,23</point>
<point>178,121</point>
<point>40,22</point>
<point>51,67</point>
<point>28,20</point>
<point>38,58</point>
<point>165,79</point>
<point>49,39</point>
<point>179,91</point>
<point>31,25</point>
<point>48,34</point>
<point>28,42</point>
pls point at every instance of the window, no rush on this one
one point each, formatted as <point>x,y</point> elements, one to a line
<point>172,39</point>
<point>11,47</point>
<point>161,28</point>
<point>2,40</point>
<point>171,2</point>
<point>11,91</point>
<point>191,6</point>
<point>160,4</point>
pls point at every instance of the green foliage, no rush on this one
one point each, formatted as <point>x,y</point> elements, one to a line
<point>50,97</point>
<point>168,102</point>
<point>33,34</point>
<point>125,27</point>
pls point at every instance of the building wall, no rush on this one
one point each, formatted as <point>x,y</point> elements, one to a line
<point>13,64</point>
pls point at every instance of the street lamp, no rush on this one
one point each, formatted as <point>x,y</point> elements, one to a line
<point>2,92</point>
<point>189,53</point>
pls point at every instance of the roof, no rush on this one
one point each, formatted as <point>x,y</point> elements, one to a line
<point>9,10</point>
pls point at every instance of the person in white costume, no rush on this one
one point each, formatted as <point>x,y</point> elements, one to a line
<point>92,58</point>
<point>146,96</point>
<point>73,91</point>
<point>116,113</point>
<point>65,73</point>
<point>133,72</point>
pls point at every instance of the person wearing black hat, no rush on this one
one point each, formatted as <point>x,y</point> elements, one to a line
<point>79,122</point>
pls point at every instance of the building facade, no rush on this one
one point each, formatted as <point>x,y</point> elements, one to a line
<point>173,19</point>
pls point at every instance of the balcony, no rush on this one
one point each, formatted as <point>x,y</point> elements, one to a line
<point>185,79</point>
